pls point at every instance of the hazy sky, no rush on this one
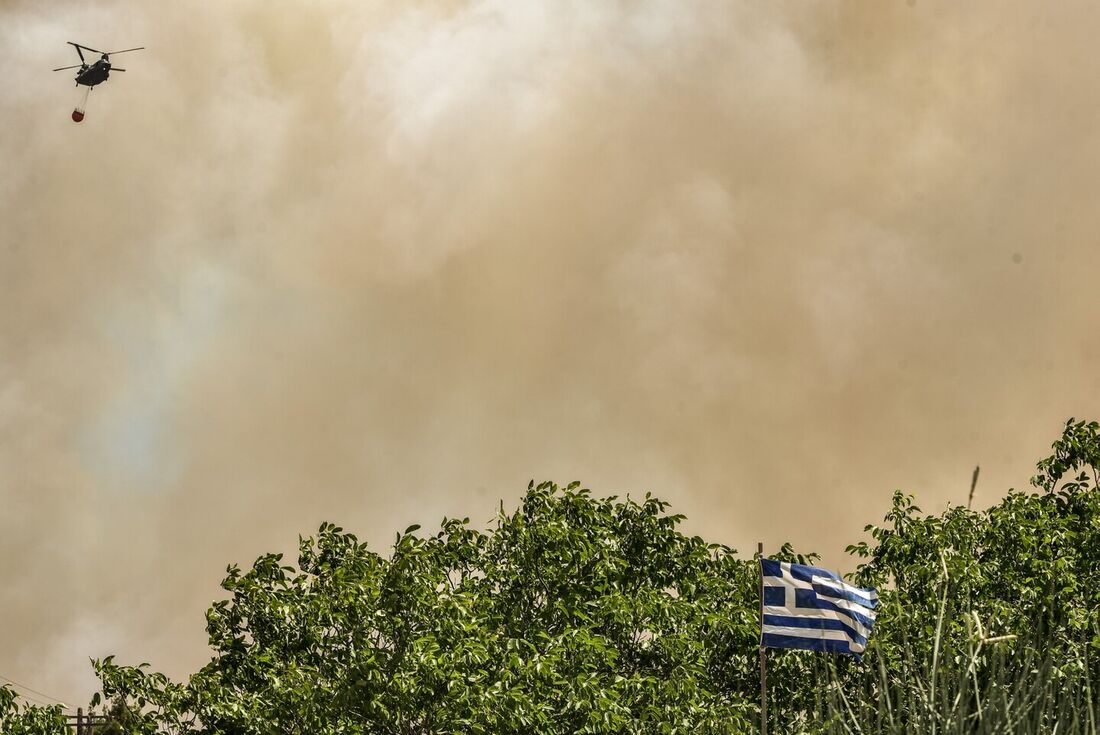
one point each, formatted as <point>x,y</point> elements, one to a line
<point>378,263</point>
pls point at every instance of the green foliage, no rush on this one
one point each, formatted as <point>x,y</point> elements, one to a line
<point>572,615</point>
<point>118,718</point>
<point>989,614</point>
<point>1078,450</point>
<point>28,719</point>
<point>576,614</point>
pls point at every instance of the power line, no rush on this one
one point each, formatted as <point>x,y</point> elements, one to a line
<point>31,698</point>
<point>34,700</point>
<point>24,686</point>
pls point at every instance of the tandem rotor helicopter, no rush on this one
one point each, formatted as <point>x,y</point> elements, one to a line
<point>92,74</point>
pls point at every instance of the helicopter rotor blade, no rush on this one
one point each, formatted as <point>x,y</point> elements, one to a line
<point>86,48</point>
<point>115,68</point>
<point>63,68</point>
<point>139,48</point>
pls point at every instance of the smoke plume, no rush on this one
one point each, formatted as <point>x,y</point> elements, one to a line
<point>378,263</point>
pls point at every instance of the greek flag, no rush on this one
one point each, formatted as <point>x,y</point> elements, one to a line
<point>814,609</point>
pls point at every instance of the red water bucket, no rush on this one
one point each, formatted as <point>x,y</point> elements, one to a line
<point>78,115</point>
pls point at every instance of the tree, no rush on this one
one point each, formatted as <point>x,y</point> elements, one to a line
<point>577,614</point>
<point>28,719</point>
<point>984,602</point>
<point>571,615</point>
<point>118,718</point>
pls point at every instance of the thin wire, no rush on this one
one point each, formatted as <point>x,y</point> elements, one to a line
<point>24,686</point>
<point>29,698</point>
<point>35,700</point>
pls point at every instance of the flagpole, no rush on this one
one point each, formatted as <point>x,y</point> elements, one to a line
<point>763,656</point>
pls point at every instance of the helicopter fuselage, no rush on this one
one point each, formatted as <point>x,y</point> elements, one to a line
<point>94,74</point>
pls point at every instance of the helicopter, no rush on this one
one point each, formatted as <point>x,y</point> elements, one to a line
<point>92,74</point>
<point>96,73</point>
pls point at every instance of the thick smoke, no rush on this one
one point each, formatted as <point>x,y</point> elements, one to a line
<point>383,262</point>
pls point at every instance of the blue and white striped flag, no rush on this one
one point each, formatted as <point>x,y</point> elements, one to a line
<point>814,609</point>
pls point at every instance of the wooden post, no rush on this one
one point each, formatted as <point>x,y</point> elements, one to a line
<point>763,655</point>
<point>79,721</point>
